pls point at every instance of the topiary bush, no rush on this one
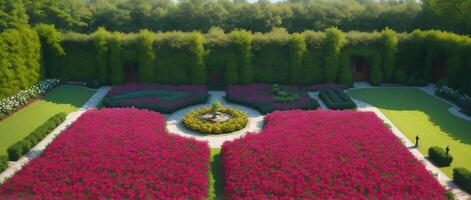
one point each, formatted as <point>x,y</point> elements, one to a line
<point>193,120</point>
<point>439,157</point>
<point>283,95</point>
<point>18,149</point>
<point>462,177</point>
<point>465,104</point>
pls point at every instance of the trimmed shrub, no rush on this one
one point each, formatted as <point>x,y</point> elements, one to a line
<point>193,121</point>
<point>146,69</point>
<point>389,40</point>
<point>23,146</point>
<point>465,104</point>
<point>462,177</point>
<point>462,100</point>
<point>439,157</point>
<point>336,99</point>
<point>242,41</point>
<point>18,149</point>
<point>3,163</point>
<point>51,47</point>
<point>334,42</point>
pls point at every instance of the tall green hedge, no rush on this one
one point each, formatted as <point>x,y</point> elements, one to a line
<point>242,57</point>
<point>20,55</point>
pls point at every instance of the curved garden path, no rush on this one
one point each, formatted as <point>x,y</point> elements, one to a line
<point>175,126</point>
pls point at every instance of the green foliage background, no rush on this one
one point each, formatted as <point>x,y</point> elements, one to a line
<point>19,60</point>
<point>240,56</point>
<point>275,57</point>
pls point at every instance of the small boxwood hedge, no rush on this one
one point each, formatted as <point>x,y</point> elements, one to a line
<point>462,177</point>
<point>439,157</point>
<point>336,99</point>
<point>3,163</point>
<point>238,121</point>
<point>22,147</point>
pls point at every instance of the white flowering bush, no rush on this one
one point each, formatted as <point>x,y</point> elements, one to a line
<point>462,100</point>
<point>448,93</point>
<point>13,103</point>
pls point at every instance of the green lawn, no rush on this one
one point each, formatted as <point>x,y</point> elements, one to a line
<point>62,99</point>
<point>416,112</point>
<point>217,184</point>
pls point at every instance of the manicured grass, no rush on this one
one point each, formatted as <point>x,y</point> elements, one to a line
<point>416,112</point>
<point>62,99</point>
<point>217,174</point>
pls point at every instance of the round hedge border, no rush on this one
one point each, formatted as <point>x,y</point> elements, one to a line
<point>238,121</point>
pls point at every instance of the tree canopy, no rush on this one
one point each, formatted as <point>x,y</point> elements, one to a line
<point>189,15</point>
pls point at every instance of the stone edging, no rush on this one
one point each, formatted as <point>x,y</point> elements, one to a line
<point>41,146</point>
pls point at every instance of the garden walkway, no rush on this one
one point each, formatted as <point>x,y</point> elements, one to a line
<point>441,177</point>
<point>175,126</point>
<point>41,146</point>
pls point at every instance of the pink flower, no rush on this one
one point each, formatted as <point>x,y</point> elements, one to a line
<point>324,155</point>
<point>115,154</point>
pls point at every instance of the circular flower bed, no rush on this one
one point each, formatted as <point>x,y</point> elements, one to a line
<point>215,119</point>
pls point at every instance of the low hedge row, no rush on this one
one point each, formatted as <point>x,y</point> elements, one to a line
<point>22,147</point>
<point>3,163</point>
<point>462,177</point>
<point>439,156</point>
<point>336,99</point>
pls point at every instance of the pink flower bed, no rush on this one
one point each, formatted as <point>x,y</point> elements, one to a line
<point>115,154</point>
<point>324,155</point>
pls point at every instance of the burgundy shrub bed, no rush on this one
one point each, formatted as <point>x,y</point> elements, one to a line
<point>260,97</point>
<point>157,97</point>
<point>324,155</point>
<point>115,154</point>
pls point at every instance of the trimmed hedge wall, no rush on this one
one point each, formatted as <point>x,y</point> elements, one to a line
<point>242,57</point>
<point>336,99</point>
<point>19,60</point>
<point>23,146</point>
